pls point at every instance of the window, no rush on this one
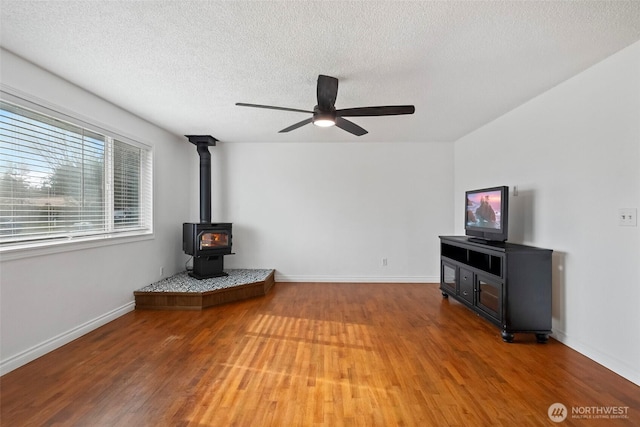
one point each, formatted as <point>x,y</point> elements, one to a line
<point>61,180</point>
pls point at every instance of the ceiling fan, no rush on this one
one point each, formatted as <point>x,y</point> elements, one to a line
<point>325,113</point>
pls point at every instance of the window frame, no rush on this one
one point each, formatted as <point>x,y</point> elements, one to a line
<point>26,249</point>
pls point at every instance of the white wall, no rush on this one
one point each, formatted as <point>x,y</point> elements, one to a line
<point>333,211</point>
<point>48,300</point>
<point>574,154</point>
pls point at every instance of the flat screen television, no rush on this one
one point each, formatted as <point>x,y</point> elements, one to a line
<point>487,213</point>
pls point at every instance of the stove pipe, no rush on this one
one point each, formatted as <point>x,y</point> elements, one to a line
<point>203,142</point>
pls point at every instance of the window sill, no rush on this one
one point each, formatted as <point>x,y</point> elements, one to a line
<point>29,250</point>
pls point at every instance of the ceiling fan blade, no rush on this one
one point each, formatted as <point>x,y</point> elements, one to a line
<point>388,110</point>
<point>350,127</point>
<point>297,125</point>
<point>327,92</point>
<point>271,107</point>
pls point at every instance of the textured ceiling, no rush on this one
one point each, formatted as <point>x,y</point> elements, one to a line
<point>184,64</point>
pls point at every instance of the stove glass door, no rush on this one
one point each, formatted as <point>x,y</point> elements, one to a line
<point>214,239</point>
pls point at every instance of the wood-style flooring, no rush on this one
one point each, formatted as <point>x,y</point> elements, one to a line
<point>312,354</point>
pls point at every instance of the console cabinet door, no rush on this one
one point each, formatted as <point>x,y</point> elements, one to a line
<point>489,296</point>
<point>448,278</point>
<point>466,285</point>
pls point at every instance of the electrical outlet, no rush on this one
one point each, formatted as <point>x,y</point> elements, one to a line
<point>384,262</point>
<point>628,217</point>
<point>161,271</point>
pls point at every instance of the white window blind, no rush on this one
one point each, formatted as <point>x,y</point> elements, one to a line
<point>59,180</point>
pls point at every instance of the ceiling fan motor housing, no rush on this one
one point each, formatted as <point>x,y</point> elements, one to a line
<point>324,118</point>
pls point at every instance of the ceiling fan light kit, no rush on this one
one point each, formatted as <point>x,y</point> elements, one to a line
<point>325,114</point>
<point>324,119</point>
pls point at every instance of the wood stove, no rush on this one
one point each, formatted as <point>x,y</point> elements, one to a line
<point>207,242</point>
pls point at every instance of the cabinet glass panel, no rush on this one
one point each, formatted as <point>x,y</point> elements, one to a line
<point>449,277</point>
<point>489,297</point>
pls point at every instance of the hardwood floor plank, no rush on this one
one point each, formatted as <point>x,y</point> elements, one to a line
<point>310,354</point>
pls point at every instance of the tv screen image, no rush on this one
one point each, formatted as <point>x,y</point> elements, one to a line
<point>484,209</point>
<point>486,213</point>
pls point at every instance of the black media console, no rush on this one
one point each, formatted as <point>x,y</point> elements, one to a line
<point>506,283</point>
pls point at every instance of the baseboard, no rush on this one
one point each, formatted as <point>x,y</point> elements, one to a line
<point>610,362</point>
<point>51,344</point>
<point>357,279</point>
